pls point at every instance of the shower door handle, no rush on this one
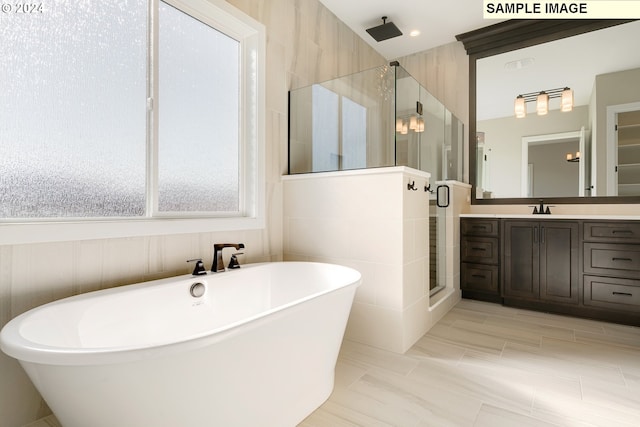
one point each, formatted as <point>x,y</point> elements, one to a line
<point>439,203</point>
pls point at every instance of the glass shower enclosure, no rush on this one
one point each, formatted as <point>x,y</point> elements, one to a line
<point>377,118</point>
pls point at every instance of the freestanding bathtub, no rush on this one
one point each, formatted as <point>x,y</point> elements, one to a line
<point>258,348</point>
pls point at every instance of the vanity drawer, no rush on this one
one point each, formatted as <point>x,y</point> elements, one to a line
<point>479,227</point>
<point>616,260</point>
<point>478,277</point>
<point>614,232</point>
<point>483,250</point>
<point>612,293</point>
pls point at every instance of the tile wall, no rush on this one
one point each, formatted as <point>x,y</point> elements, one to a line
<point>370,221</point>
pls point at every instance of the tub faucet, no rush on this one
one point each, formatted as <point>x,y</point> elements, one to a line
<point>218,262</point>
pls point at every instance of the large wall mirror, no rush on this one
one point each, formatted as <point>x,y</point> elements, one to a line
<point>589,153</point>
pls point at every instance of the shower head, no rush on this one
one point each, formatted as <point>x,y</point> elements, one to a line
<point>387,30</point>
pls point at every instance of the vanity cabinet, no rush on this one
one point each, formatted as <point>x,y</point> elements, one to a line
<point>578,267</point>
<point>480,259</point>
<point>541,261</point>
<point>612,266</point>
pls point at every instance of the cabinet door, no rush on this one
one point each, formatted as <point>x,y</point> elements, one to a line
<point>479,277</point>
<point>479,227</point>
<point>559,261</point>
<point>521,256</point>
<point>483,250</point>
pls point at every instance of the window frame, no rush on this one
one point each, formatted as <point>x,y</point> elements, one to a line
<point>251,35</point>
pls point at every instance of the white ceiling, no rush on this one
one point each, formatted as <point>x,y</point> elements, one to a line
<point>438,21</point>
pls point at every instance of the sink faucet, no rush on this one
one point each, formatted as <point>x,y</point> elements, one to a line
<point>541,209</point>
<point>218,262</point>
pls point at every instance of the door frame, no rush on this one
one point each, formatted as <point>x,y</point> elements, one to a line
<point>612,143</point>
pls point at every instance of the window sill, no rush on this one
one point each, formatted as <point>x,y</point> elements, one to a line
<point>63,231</point>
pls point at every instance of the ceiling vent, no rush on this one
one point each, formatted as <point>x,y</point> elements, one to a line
<point>387,30</point>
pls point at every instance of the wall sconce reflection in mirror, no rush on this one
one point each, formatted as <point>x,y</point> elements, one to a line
<point>542,101</point>
<point>572,159</point>
<point>413,123</point>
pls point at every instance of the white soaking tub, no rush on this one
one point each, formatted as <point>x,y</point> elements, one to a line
<point>258,348</point>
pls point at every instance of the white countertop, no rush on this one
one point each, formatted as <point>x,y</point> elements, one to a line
<point>554,216</point>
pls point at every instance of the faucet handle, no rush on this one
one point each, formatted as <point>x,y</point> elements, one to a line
<point>218,263</point>
<point>233,262</point>
<point>535,209</point>
<point>199,269</point>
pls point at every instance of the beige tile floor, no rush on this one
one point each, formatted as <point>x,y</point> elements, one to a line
<point>485,365</point>
<point>491,366</point>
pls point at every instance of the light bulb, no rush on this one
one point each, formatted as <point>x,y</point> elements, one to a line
<point>566,102</point>
<point>542,103</point>
<point>520,107</point>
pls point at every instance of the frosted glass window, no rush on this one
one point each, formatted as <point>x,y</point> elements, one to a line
<point>354,135</point>
<point>326,144</point>
<point>73,111</point>
<point>198,101</point>
<point>103,115</point>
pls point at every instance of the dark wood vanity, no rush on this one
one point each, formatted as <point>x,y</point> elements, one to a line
<point>586,266</point>
<point>581,267</point>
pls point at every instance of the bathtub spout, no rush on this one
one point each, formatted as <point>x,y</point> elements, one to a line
<point>218,262</point>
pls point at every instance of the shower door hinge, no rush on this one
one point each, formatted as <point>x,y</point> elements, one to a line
<point>149,104</point>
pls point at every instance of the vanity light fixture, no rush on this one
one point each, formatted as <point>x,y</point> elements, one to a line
<point>402,126</point>
<point>413,123</point>
<point>542,101</point>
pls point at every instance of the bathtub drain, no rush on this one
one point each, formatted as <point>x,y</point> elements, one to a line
<point>197,290</point>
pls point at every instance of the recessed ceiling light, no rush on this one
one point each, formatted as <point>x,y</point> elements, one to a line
<point>414,33</point>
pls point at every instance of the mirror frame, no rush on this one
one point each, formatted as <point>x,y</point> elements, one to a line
<point>517,34</point>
